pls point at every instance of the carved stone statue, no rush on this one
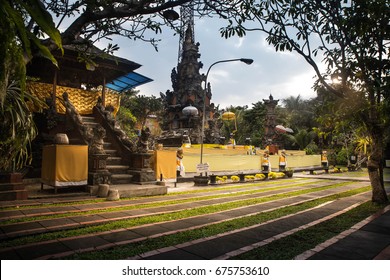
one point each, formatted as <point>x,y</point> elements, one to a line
<point>97,142</point>
<point>143,141</point>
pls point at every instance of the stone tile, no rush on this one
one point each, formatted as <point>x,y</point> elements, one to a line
<point>278,226</point>
<point>255,235</point>
<point>195,221</point>
<point>9,255</point>
<point>120,236</point>
<point>86,207</point>
<point>176,225</point>
<point>85,242</point>
<point>58,223</point>
<point>379,225</point>
<point>177,254</point>
<point>384,255</point>
<point>211,249</point>
<point>63,209</point>
<point>5,215</point>
<point>219,217</point>
<point>149,230</point>
<point>90,219</point>
<point>359,245</point>
<point>36,211</point>
<point>48,249</point>
<point>113,215</point>
<point>29,226</point>
<point>137,212</point>
<point>232,242</point>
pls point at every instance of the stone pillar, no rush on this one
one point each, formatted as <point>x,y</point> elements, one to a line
<point>140,168</point>
<point>97,169</point>
<point>12,187</point>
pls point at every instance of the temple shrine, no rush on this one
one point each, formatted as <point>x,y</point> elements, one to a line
<point>82,97</point>
<point>184,104</point>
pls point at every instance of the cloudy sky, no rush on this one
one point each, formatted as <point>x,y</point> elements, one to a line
<point>234,83</point>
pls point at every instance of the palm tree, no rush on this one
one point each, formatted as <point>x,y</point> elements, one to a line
<point>302,138</point>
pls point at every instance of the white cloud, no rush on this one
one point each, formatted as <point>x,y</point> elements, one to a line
<point>235,83</point>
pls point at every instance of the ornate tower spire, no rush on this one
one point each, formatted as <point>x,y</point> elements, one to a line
<point>270,119</point>
<point>187,22</point>
<point>187,91</point>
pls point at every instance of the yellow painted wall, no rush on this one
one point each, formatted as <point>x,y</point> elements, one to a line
<point>222,159</point>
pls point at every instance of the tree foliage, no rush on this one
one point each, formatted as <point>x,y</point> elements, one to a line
<point>22,24</point>
<point>352,36</point>
<point>17,128</point>
<point>141,106</point>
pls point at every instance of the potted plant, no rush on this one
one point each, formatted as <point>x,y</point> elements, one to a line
<point>289,172</point>
<point>201,180</point>
<point>213,179</point>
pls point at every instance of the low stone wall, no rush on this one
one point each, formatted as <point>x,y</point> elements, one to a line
<point>226,161</point>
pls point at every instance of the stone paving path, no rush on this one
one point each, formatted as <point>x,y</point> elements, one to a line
<point>220,246</point>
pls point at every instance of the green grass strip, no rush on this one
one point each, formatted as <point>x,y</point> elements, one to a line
<point>127,223</point>
<point>293,245</point>
<point>98,200</point>
<point>144,206</point>
<point>133,249</point>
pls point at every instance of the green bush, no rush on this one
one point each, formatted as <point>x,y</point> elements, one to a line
<point>342,157</point>
<point>312,149</point>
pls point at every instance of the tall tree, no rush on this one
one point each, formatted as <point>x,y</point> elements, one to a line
<point>299,113</point>
<point>353,38</point>
<point>253,123</point>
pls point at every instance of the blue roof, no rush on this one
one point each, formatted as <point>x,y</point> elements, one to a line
<point>128,81</point>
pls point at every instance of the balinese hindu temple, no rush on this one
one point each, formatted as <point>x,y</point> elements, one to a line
<point>81,99</point>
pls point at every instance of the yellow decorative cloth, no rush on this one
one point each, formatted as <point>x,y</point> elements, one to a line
<point>65,165</point>
<point>82,100</point>
<point>165,164</point>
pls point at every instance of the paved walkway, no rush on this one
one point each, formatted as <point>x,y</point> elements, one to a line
<point>370,239</point>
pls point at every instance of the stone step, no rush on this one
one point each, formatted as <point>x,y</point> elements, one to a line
<point>107,145</point>
<point>13,195</point>
<point>117,179</point>
<point>92,124</point>
<point>126,191</point>
<point>114,161</point>
<point>111,152</point>
<point>11,187</point>
<point>117,169</point>
<point>86,118</point>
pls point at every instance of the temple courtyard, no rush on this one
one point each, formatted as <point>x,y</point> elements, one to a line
<point>320,216</point>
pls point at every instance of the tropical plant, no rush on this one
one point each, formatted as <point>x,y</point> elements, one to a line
<point>298,113</point>
<point>252,125</point>
<point>22,23</point>
<point>17,128</point>
<point>127,121</point>
<point>302,138</point>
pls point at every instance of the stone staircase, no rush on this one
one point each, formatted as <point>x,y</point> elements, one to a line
<point>119,171</point>
<point>12,187</point>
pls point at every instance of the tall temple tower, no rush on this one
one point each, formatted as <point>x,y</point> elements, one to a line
<point>184,104</point>
<point>270,120</point>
